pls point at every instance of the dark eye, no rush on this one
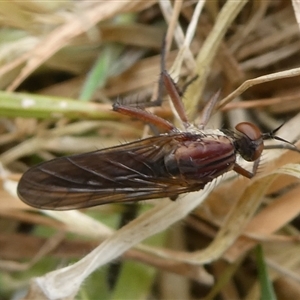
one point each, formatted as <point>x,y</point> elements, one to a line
<point>250,143</point>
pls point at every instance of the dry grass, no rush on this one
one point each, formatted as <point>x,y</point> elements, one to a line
<point>63,64</point>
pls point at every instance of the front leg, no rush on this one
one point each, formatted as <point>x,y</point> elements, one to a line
<point>240,170</point>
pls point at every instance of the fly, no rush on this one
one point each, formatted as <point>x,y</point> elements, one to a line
<point>166,165</point>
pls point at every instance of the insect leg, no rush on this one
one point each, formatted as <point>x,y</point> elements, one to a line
<point>208,109</point>
<point>240,170</point>
<point>144,116</point>
<point>187,84</point>
<point>174,95</point>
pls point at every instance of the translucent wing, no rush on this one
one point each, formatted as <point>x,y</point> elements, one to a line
<point>130,172</point>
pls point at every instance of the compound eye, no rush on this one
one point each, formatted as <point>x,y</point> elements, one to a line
<point>250,143</point>
<point>249,130</point>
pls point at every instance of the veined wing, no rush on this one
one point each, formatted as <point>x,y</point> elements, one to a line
<point>130,172</point>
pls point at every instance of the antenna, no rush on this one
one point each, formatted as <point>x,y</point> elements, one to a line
<point>271,135</point>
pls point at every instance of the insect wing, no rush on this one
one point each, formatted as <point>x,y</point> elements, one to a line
<point>130,172</point>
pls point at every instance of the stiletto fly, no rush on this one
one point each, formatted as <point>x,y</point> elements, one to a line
<point>166,165</point>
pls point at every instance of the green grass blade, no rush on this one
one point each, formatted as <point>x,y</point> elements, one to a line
<point>267,291</point>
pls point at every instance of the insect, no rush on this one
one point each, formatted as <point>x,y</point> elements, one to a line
<point>166,165</point>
